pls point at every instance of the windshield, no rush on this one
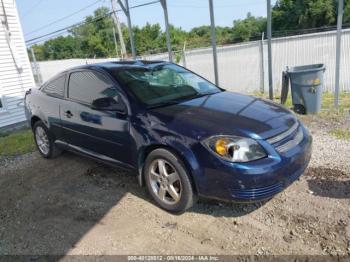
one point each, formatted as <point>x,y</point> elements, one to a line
<point>164,84</point>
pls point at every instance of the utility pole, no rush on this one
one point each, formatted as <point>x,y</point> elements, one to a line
<point>184,55</point>
<point>120,33</point>
<point>126,11</point>
<point>262,73</point>
<point>115,42</point>
<point>337,52</point>
<point>36,67</point>
<point>269,49</point>
<point>213,41</point>
<point>168,42</point>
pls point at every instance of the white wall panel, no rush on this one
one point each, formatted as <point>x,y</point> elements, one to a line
<point>13,83</point>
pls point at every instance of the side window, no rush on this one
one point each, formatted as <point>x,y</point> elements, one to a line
<point>87,86</point>
<point>55,87</point>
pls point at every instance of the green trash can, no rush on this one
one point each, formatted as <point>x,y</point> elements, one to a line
<point>306,84</point>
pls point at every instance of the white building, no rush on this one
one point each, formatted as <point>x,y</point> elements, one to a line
<point>15,71</point>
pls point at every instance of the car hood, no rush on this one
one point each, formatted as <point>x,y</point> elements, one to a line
<point>223,113</point>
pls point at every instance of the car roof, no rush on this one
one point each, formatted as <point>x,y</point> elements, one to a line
<point>121,65</point>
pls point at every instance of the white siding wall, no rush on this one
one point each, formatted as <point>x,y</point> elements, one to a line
<point>13,84</point>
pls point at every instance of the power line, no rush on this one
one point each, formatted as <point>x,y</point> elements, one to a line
<point>216,6</point>
<point>63,30</point>
<point>62,18</point>
<point>140,5</point>
<point>48,38</point>
<point>32,8</point>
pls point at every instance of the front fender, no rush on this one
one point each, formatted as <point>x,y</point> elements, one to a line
<point>180,149</point>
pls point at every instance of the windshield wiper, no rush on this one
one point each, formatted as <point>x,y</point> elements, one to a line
<point>197,95</point>
<point>174,101</point>
<point>180,100</point>
<point>167,103</point>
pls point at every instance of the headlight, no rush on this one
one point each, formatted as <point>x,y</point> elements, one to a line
<point>235,148</point>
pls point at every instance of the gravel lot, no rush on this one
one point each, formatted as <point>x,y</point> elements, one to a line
<point>73,205</point>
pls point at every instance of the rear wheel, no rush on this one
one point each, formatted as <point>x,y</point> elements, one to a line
<point>44,141</point>
<point>168,181</point>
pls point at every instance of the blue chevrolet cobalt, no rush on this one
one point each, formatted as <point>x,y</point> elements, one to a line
<point>183,136</point>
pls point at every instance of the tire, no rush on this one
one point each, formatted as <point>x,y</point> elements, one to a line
<point>50,150</point>
<point>174,180</point>
<point>299,109</point>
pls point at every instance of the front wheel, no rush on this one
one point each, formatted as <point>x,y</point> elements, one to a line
<point>168,181</point>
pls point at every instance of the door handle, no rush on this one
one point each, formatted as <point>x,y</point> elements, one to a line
<point>68,113</point>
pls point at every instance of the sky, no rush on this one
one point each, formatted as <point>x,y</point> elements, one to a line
<point>36,14</point>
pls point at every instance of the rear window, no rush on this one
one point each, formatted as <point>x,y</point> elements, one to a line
<point>55,87</point>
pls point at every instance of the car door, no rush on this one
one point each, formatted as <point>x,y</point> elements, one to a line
<point>104,134</point>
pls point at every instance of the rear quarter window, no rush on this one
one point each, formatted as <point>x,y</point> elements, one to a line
<point>55,87</point>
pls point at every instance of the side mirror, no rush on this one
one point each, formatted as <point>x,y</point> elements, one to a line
<point>108,104</point>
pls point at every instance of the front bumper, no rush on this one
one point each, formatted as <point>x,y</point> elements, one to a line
<point>253,181</point>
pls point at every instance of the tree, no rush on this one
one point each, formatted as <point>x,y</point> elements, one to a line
<point>177,36</point>
<point>224,35</point>
<point>303,14</point>
<point>346,18</point>
<point>248,28</point>
<point>95,37</point>
<point>148,38</point>
<point>201,36</point>
<point>39,52</point>
<point>60,48</point>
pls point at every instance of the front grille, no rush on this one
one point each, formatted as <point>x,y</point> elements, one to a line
<point>288,139</point>
<point>283,135</point>
<point>291,143</point>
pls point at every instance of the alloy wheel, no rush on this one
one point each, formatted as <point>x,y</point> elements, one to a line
<point>165,182</point>
<point>42,140</point>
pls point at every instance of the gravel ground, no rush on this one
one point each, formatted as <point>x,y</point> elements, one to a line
<point>73,205</point>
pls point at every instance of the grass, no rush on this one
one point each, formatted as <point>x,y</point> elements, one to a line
<point>327,100</point>
<point>334,121</point>
<point>16,143</point>
<point>327,109</point>
<point>341,133</point>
